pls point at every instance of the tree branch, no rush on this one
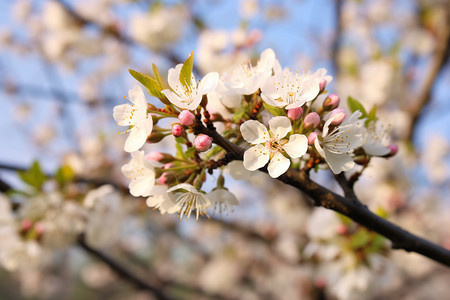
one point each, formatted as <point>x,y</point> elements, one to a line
<point>122,271</point>
<point>439,59</point>
<point>349,206</point>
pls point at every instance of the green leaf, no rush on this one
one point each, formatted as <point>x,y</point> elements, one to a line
<point>355,105</point>
<point>33,176</point>
<point>64,175</point>
<point>276,111</point>
<point>186,70</point>
<point>372,116</point>
<point>149,82</point>
<point>180,152</point>
<point>240,114</point>
<point>190,152</point>
<point>359,239</point>
<point>158,77</point>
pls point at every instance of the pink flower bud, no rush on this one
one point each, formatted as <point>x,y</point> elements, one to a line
<point>338,116</point>
<point>320,283</point>
<point>322,83</point>
<point>168,166</point>
<point>311,120</point>
<point>393,148</point>
<point>342,229</point>
<point>295,113</point>
<point>186,118</point>
<point>163,178</point>
<point>331,102</point>
<point>39,227</point>
<point>177,130</point>
<point>154,155</point>
<point>202,142</point>
<point>312,137</point>
<point>26,224</point>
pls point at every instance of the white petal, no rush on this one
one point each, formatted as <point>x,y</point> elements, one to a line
<point>310,90</point>
<point>297,145</point>
<point>136,139</point>
<point>271,101</point>
<point>256,157</point>
<point>267,59</point>
<point>136,95</point>
<point>174,98</point>
<point>254,132</point>
<point>338,162</point>
<point>278,165</point>
<point>375,149</point>
<point>124,115</point>
<point>208,83</point>
<point>141,186</point>
<point>280,126</point>
<point>173,78</point>
<point>319,148</point>
<point>185,186</point>
<point>326,127</point>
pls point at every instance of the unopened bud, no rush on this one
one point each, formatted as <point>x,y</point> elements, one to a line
<point>393,150</point>
<point>159,157</point>
<point>186,118</point>
<point>202,142</point>
<point>338,116</point>
<point>361,160</point>
<point>166,178</point>
<point>295,113</point>
<point>151,107</point>
<point>312,137</point>
<point>177,130</point>
<point>342,229</point>
<point>311,120</point>
<point>156,137</point>
<point>331,102</point>
<point>25,225</point>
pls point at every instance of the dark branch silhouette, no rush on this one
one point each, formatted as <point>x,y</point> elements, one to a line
<point>349,206</point>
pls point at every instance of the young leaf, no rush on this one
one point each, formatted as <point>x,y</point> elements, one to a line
<point>355,105</point>
<point>190,152</point>
<point>149,82</point>
<point>158,77</point>
<point>34,176</point>
<point>276,111</point>
<point>186,70</point>
<point>372,115</point>
<point>64,175</point>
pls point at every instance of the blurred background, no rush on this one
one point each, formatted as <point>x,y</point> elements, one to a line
<point>64,66</point>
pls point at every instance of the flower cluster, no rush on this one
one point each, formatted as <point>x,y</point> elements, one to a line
<point>306,130</point>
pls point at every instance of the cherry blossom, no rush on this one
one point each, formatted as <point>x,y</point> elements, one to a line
<point>135,116</point>
<point>160,199</point>
<point>245,79</point>
<point>141,173</point>
<point>289,90</point>
<point>190,199</point>
<point>336,146</point>
<point>189,96</point>
<point>376,142</point>
<point>269,145</point>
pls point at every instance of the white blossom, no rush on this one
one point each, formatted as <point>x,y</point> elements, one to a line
<point>141,173</point>
<point>223,200</point>
<point>289,90</point>
<point>189,96</point>
<point>246,79</point>
<point>270,145</point>
<point>190,199</point>
<point>336,146</point>
<point>135,116</point>
<point>160,199</point>
<point>377,139</point>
